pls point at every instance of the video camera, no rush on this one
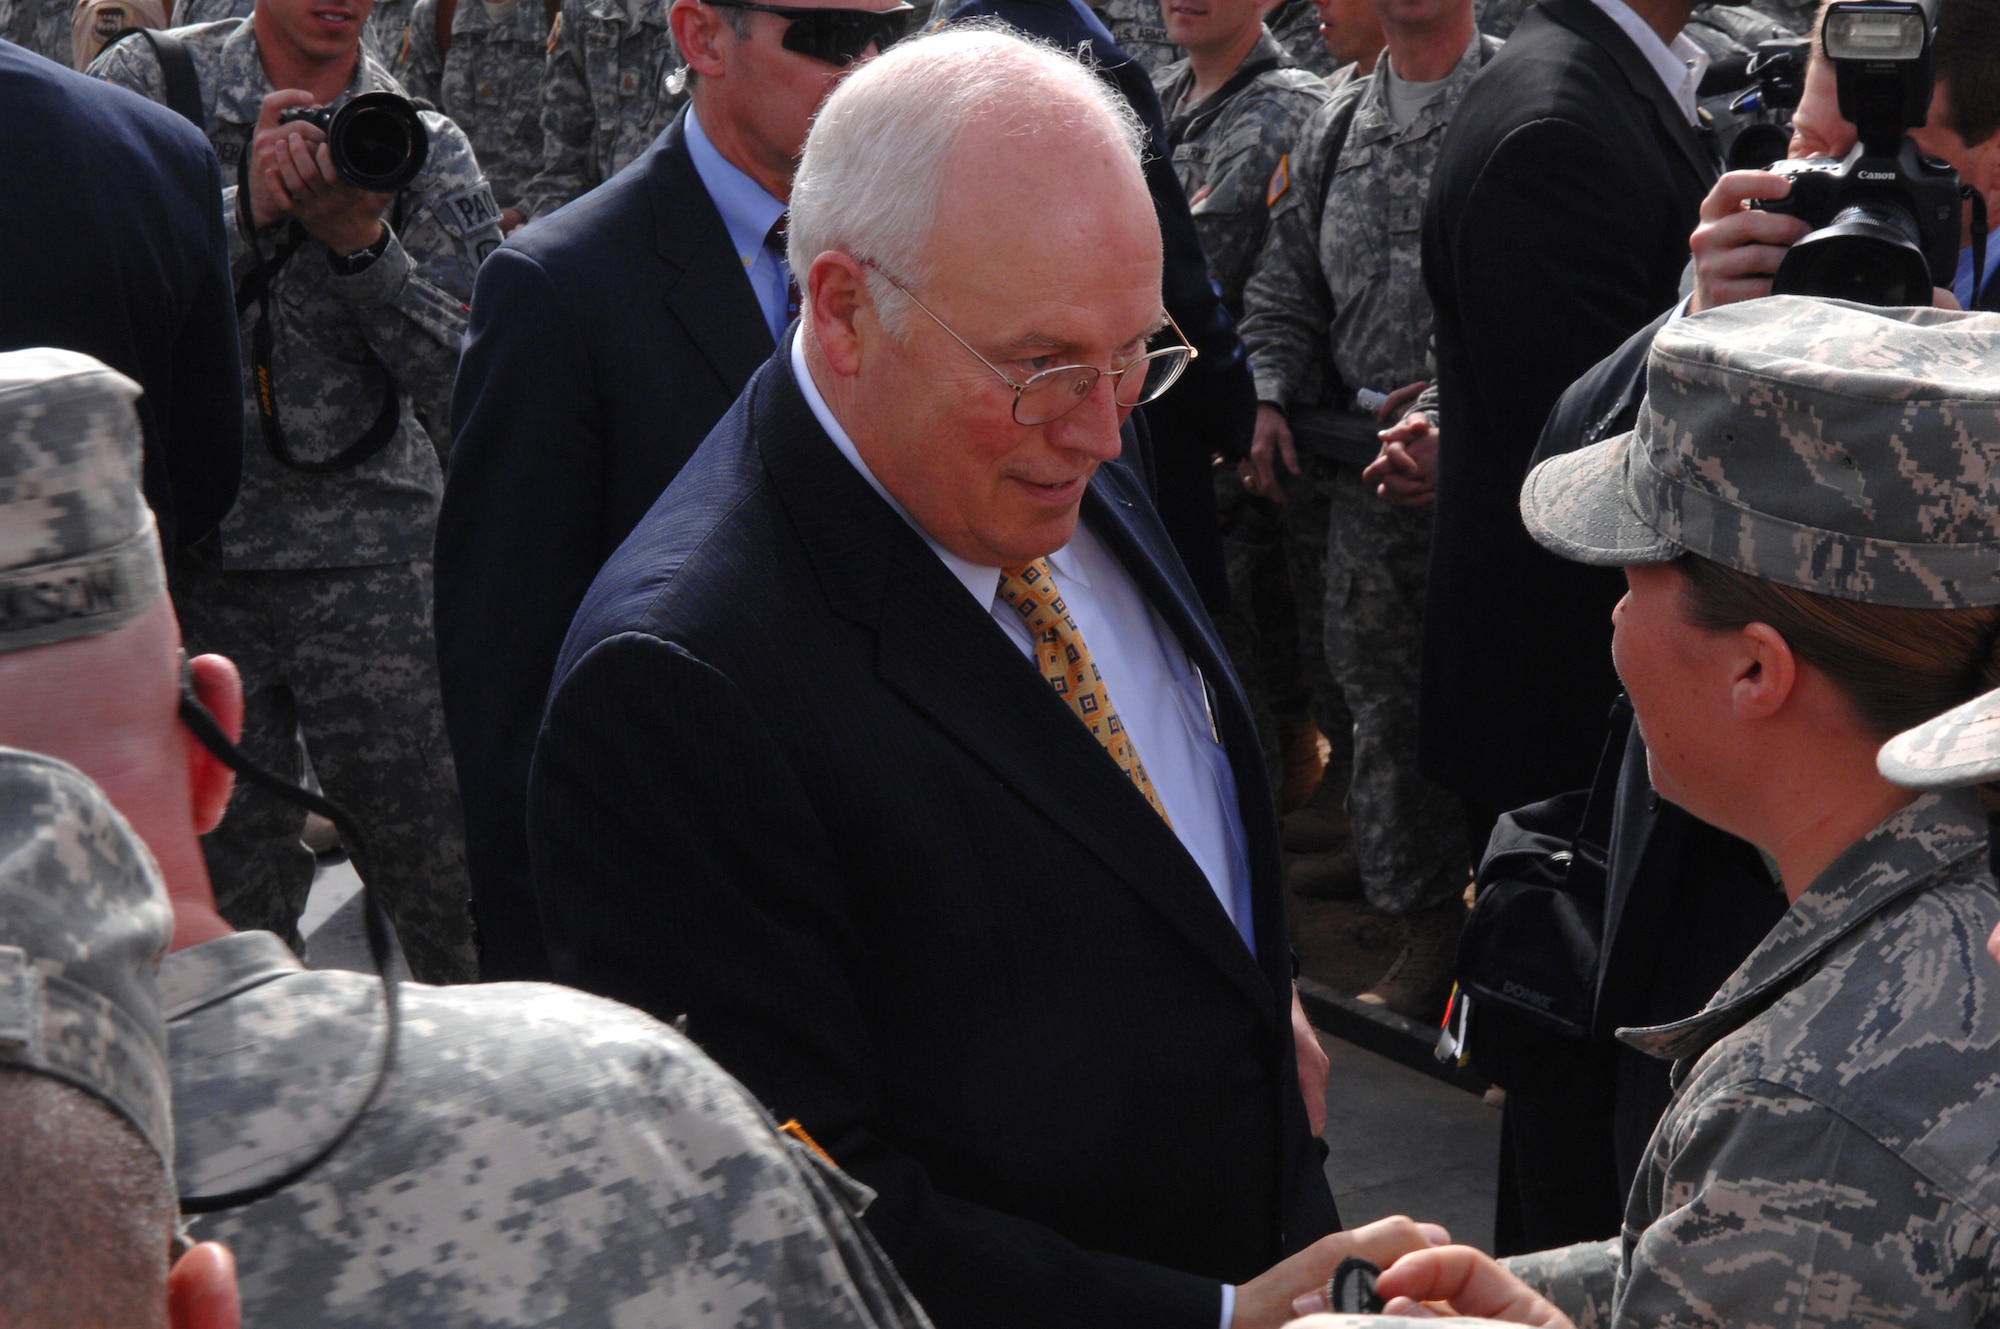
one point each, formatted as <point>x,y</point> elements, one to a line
<point>377,140</point>
<point>1885,217</point>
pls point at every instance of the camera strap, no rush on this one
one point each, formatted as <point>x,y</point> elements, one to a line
<point>209,734</point>
<point>257,290</point>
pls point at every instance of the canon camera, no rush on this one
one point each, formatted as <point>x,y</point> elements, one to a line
<point>377,140</point>
<point>1885,217</point>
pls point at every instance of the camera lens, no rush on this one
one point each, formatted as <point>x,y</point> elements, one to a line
<point>1871,253</point>
<point>378,142</point>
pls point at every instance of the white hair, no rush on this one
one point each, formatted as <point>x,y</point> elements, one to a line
<point>875,161</point>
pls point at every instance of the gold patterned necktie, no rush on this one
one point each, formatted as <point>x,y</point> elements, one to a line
<point>1065,662</point>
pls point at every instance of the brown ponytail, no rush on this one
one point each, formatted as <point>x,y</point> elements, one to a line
<point>1898,666</point>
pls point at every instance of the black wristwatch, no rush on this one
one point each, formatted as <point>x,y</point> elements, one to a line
<point>348,265</point>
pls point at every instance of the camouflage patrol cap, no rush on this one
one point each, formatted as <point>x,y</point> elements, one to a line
<point>84,921</point>
<point>1835,447</point>
<point>1949,751</point>
<point>78,550</point>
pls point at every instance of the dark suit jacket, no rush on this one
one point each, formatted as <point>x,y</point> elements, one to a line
<point>797,786</point>
<point>1214,406</point>
<point>605,341</point>
<point>111,227</point>
<point>1557,225</point>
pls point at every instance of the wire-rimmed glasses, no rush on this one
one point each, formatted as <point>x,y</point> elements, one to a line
<point>1054,393</point>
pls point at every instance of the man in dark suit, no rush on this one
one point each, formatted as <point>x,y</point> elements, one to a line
<point>114,245</point>
<point>1557,225</point>
<point>605,342</point>
<point>1216,408</point>
<point>934,809</point>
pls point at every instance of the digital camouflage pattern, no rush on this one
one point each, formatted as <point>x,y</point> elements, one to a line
<point>540,1157</point>
<point>1959,748</point>
<point>1339,284</point>
<point>347,655</point>
<point>79,553</point>
<point>336,334</point>
<point>604,97</point>
<point>1225,149</point>
<point>1832,1152</point>
<point>489,83</point>
<point>42,26</point>
<point>1295,23</point>
<point>1839,448</point>
<point>1340,279</point>
<point>1498,18</point>
<point>1140,31</point>
<point>84,920</point>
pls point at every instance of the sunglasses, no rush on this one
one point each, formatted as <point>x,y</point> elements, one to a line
<point>836,37</point>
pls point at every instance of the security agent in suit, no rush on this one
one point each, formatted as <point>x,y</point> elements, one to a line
<point>804,778</point>
<point>1216,408</point>
<point>605,343</point>
<point>1556,226</point>
<point>115,248</point>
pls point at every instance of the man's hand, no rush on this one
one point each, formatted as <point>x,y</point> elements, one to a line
<point>1314,1068</point>
<point>1405,471</point>
<point>1271,442</point>
<point>1458,1280</point>
<point>1393,404</point>
<point>292,175</point>
<point>511,220</point>
<point>1737,248</point>
<point>1298,1286</point>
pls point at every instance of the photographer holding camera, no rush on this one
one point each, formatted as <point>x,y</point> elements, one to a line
<point>355,226</point>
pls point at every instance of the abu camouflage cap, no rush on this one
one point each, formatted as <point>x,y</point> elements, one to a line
<point>1949,751</point>
<point>84,921</point>
<point>78,551</point>
<point>1835,447</point>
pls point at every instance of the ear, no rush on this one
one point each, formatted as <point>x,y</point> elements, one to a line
<point>218,687</point>
<point>697,33</point>
<point>201,1289</point>
<point>1764,672</point>
<point>836,296</point>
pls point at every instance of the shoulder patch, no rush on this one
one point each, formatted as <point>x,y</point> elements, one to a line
<point>555,33</point>
<point>469,209</point>
<point>1281,180</point>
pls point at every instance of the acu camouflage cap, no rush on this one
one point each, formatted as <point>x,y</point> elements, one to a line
<point>78,550</point>
<point>84,921</point>
<point>1834,447</point>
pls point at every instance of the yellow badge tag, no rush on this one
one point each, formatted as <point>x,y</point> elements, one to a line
<point>1281,180</point>
<point>555,33</point>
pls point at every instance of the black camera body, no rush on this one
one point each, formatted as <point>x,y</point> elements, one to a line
<point>1885,217</point>
<point>377,140</point>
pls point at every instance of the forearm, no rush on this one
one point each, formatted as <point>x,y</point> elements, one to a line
<point>1577,1280</point>
<point>410,324</point>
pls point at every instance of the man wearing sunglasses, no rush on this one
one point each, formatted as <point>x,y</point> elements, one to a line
<point>605,342</point>
<point>894,750</point>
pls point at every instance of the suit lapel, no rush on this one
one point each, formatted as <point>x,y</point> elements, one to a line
<point>947,657</point>
<point>706,287</point>
<point>1587,20</point>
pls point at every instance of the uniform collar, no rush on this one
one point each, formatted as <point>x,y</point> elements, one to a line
<point>203,975</point>
<point>1372,122</point>
<point>242,87</point>
<point>1929,839</point>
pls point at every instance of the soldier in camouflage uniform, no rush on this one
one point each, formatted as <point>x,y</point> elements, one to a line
<point>1829,1156</point>
<point>319,582</point>
<point>1136,27</point>
<point>382,30</point>
<point>1295,23</point>
<point>538,1157</point>
<point>488,81</point>
<point>1225,146</point>
<point>1337,305</point>
<point>604,95</point>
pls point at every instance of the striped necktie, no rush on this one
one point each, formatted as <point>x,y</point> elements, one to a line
<point>774,241</point>
<point>1065,662</point>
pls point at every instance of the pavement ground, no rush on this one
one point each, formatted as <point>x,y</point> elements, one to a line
<point>1400,1141</point>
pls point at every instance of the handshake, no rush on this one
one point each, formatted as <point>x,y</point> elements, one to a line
<point>1422,1276</point>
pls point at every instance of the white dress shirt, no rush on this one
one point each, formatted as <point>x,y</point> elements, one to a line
<point>1679,65</point>
<point>748,213</point>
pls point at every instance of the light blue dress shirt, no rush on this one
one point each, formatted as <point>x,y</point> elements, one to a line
<point>748,213</point>
<point>1966,289</point>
